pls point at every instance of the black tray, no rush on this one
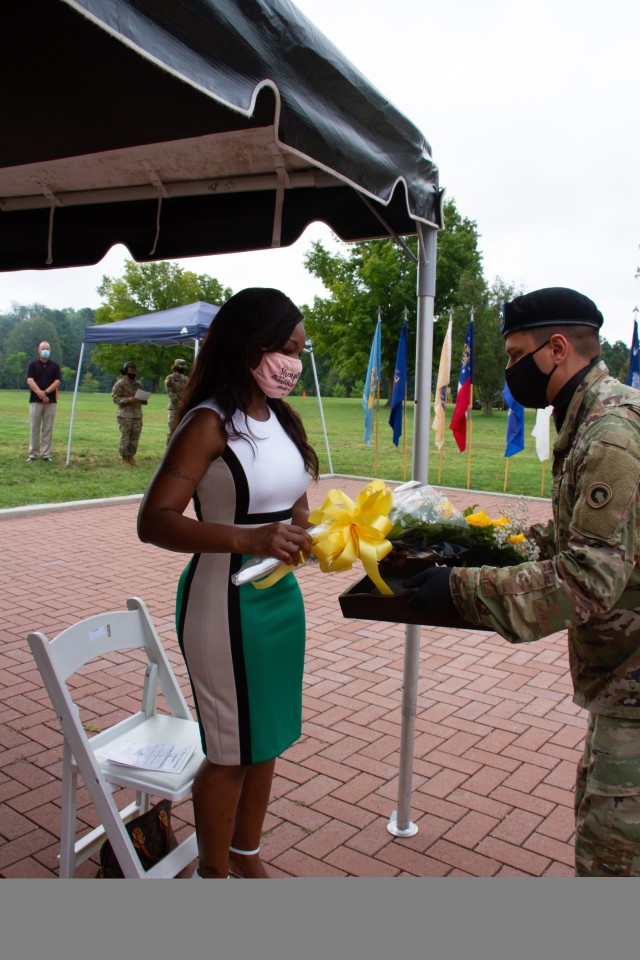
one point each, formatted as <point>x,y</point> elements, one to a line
<point>362,601</point>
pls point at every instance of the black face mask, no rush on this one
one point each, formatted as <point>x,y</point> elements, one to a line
<point>527,382</point>
<point>132,376</point>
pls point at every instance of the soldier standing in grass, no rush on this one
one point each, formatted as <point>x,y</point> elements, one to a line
<point>588,579</point>
<point>129,413</point>
<point>175,385</point>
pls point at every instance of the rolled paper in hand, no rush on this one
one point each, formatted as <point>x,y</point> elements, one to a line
<point>259,567</point>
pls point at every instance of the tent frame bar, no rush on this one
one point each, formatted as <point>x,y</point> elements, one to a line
<point>400,824</point>
<point>73,402</point>
<point>309,348</point>
<point>179,188</point>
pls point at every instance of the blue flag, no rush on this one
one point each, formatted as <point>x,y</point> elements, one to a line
<point>399,386</point>
<point>633,376</point>
<point>515,424</point>
<point>372,381</point>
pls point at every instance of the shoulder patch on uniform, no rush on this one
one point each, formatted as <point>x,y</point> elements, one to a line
<point>615,439</point>
<point>598,495</point>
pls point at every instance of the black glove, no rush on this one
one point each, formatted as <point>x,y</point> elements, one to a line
<point>433,595</point>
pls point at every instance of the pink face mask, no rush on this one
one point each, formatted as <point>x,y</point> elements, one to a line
<point>277,374</point>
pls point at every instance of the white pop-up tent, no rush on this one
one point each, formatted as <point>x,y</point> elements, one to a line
<point>193,127</point>
<point>166,328</point>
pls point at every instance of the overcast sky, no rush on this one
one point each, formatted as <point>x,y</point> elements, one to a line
<point>531,111</point>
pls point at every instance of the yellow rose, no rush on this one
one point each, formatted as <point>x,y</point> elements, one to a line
<point>482,519</point>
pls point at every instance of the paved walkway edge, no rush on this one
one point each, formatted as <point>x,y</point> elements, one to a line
<point>12,513</point>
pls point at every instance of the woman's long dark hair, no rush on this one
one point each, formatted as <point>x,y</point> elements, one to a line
<point>254,321</point>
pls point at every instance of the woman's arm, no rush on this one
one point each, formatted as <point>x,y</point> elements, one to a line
<point>300,512</point>
<point>161,519</point>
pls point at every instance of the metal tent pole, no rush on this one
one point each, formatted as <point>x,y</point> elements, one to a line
<point>309,346</point>
<point>73,403</point>
<point>400,824</point>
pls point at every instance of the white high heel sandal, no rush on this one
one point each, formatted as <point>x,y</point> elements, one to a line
<point>242,853</point>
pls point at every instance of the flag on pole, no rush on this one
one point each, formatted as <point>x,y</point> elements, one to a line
<point>633,376</point>
<point>371,383</point>
<point>459,420</point>
<point>444,375</point>
<point>515,424</point>
<point>399,386</point>
<point>541,432</point>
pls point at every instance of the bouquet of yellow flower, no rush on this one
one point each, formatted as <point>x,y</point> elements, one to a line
<point>414,521</point>
<point>425,519</point>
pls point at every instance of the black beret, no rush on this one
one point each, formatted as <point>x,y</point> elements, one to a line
<point>549,307</point>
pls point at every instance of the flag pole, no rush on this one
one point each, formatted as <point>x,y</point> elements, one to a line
<point>506,474</point>
<point>404,431</point>
<point>469,436</point>
<point>375,468</point>
<point>544,470</point>
<point>470,412</point>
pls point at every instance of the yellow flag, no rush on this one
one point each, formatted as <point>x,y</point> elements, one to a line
<point>444,374</point>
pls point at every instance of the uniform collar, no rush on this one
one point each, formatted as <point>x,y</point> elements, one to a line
<point>563,398</point>
<point>574,402</point>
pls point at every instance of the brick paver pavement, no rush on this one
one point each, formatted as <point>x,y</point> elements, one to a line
<point>496,732</point>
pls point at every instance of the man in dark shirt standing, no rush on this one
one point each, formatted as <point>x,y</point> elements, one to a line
<point>43,379</point>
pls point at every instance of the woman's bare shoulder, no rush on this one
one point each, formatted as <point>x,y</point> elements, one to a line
<point>200,429</point>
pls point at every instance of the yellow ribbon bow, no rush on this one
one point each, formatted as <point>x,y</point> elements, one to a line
<point>355,531</point>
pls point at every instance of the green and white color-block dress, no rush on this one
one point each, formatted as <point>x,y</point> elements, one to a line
<point>244,647</point>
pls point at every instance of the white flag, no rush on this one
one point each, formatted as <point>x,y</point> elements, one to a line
<point>541,432</point>
<point>444,374</point>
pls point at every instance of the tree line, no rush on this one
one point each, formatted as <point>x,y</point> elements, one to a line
<point>363,281</point>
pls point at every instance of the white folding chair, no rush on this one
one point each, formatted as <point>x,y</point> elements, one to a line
<point>57,661</point>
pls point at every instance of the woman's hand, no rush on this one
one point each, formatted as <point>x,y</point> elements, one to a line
<point>284,541</point>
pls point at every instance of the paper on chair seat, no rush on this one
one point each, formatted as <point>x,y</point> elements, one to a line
<point>168,757</point>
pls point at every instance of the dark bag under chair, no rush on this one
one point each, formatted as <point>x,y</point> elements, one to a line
<point>152,836</point>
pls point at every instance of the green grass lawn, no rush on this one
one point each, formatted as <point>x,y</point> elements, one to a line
<point>94,469</point>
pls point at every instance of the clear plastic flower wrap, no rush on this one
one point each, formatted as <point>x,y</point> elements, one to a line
<point>424,518</point>
<point>259,567</point>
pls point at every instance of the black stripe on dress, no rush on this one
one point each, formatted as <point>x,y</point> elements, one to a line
<point>233,606</point>
<point>193,564</point>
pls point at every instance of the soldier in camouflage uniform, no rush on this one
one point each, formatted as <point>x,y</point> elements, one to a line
<point>587,578</point>
<point>129,412</point>
<point>175,385</point>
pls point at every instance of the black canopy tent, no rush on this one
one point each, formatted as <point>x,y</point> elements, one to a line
<point>190,127</point>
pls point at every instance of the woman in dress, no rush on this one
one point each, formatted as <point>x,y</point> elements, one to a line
<point>241,454</point>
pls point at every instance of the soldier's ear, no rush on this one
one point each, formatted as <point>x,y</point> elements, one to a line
<point>560,347</point>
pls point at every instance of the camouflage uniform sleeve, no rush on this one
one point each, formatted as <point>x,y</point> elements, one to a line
<point>543,535</point>
<point>599,536</point>
<point>119,394</point>
<point>173,391</point>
